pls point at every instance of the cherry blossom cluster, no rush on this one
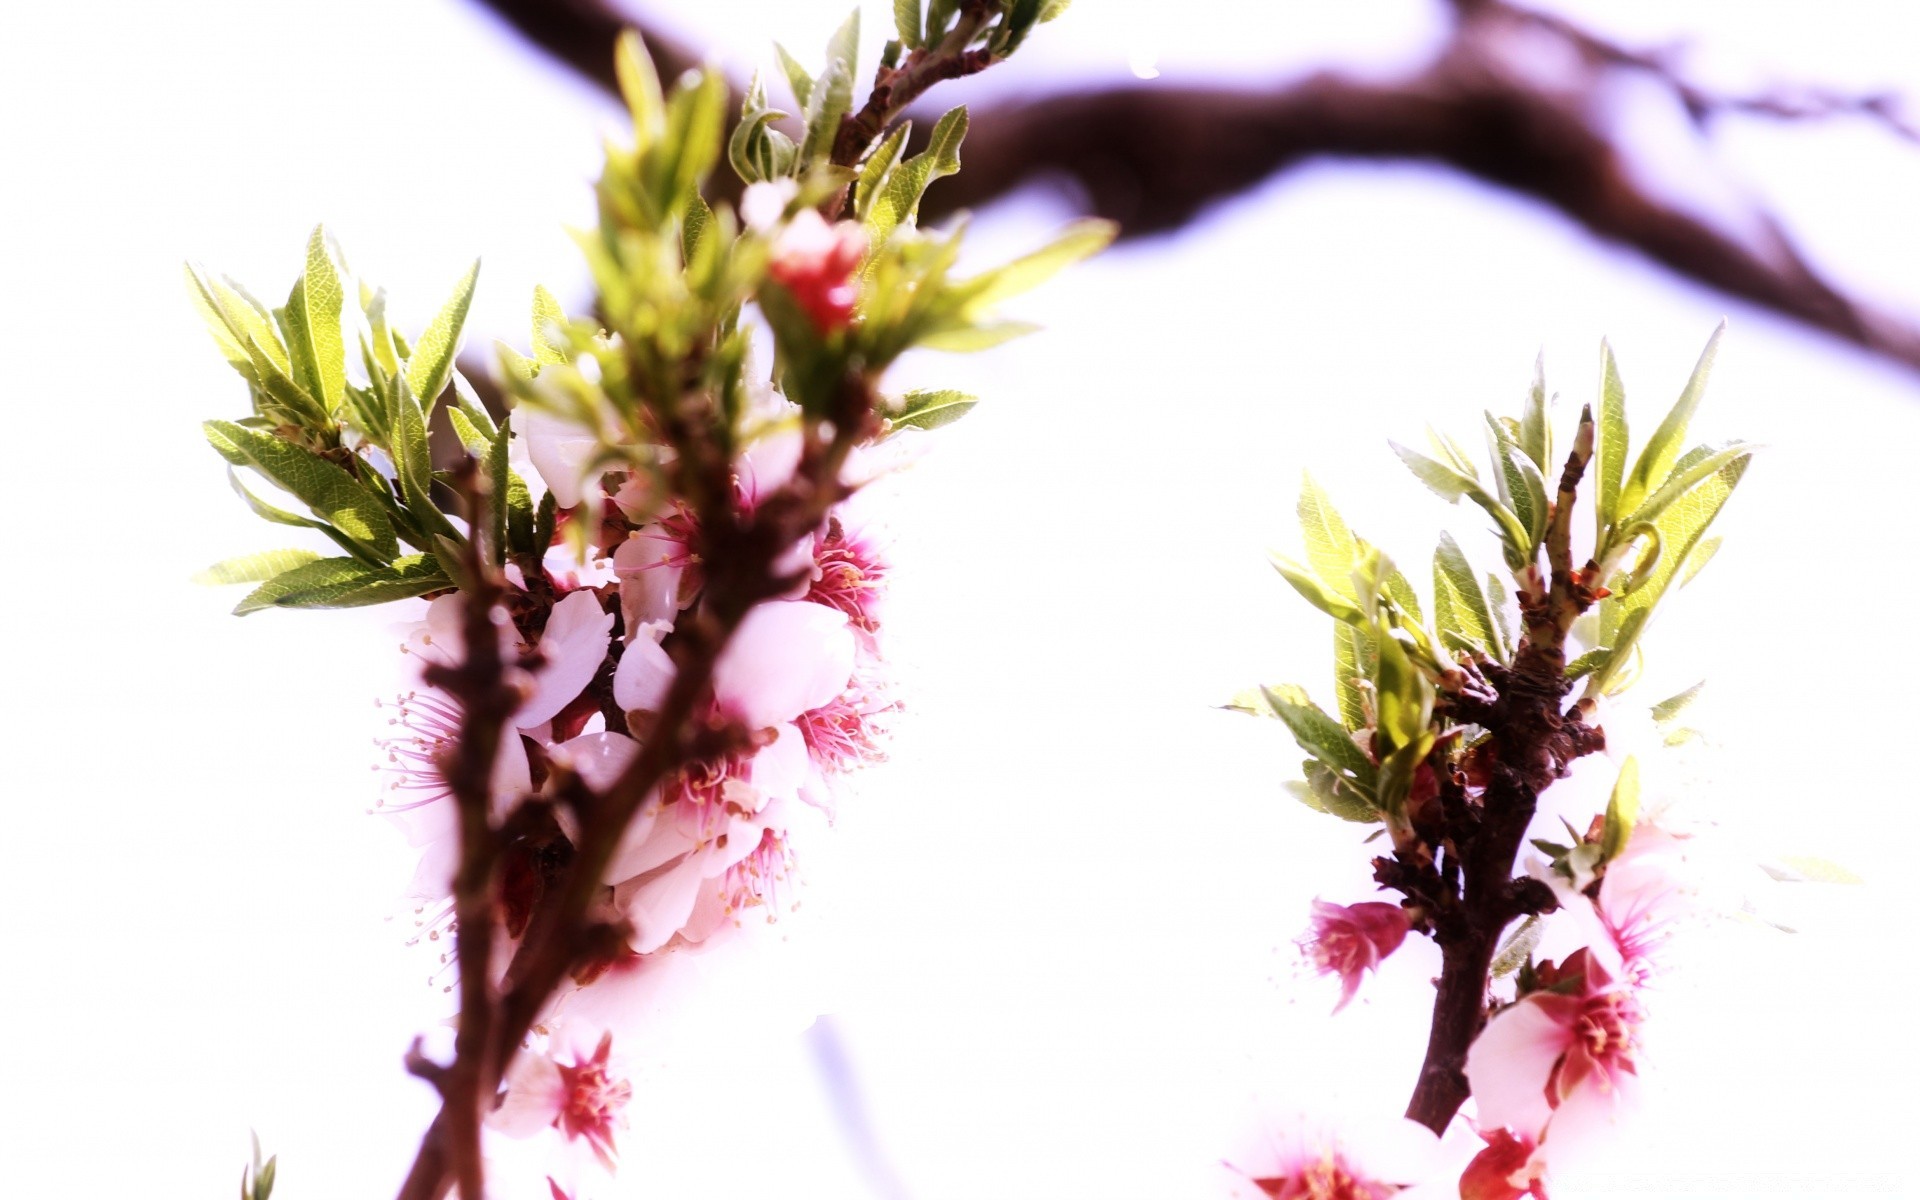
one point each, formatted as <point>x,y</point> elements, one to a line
<point>1529,831</point>
<point>717,847</point>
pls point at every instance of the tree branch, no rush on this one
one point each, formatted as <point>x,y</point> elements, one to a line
<point>1154,157</point>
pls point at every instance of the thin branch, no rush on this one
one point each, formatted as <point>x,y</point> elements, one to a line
<point>1153,157</point>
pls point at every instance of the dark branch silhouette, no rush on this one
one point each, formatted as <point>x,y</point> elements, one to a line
<point>1152,157</point>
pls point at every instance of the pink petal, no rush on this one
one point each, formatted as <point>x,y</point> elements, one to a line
<point>645,673</point>
<point>575,644</point>
<point>1508,1066</point>
<point>787,657</point>
<point>534,1097</point>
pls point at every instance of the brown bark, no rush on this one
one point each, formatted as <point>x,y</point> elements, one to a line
<point>1153,157</point>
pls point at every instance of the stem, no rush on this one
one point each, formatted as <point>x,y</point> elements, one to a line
<point>1531,744</point>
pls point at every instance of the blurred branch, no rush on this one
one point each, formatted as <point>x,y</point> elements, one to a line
<point>1516,98</point>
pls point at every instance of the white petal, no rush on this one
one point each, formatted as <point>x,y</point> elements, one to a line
<point>533,1100</point>
<point>598,758</point>
<point>787,657</point>
<point>645,673</point>
<point>575,644</point>
<point>1508,1066</point>
<point>660,906</point>
<point>558,450</point>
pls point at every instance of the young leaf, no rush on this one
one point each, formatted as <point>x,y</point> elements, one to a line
<point>1536,433</point>
<point>1664,446</point>
<point>1320,735</point>
<point>1317,593</point>
<point>1332,550</point>
<point>1078,241</point>
<point>1669,710</point>
<point>322,298</point>
<point>874,172</point>
<point>327,489</point>
<point>1610,441</point>
<point>252,568</point>
<point>931,410</point>
<point>1460,609</point>
<point>1518,948</point>
<point>346,583</point>
<point>432,362</point>
<point>549,319</point>
<point>1355,660</point>
<point>896,204</point>
<point>640,84</point>
<point>906,19</point>
<point>797,77</point>
<point>1623,811</point>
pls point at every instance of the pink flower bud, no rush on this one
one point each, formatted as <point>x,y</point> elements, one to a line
<point>815,261</point>
<point>1346,940</point>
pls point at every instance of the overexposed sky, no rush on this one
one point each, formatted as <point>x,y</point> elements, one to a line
<point>1055,932</point>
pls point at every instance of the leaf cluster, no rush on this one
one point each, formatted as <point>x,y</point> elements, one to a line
<point>1399,677</point>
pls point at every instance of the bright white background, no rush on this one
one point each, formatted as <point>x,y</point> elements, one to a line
<point>1059,959</point>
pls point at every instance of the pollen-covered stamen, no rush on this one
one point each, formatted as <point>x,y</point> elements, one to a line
<point>847,732</point>
<point>592,1102</point>
<point>426,725</point>
<point>852,575</point>
<point>703,796</point>
<point>1326,1177</point>
<point>760,880</point>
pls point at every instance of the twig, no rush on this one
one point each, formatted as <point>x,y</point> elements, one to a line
<point>1153,157</point>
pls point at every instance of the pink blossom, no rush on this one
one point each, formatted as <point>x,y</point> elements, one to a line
<point>1644,895</point>
<point>1560,1063</point>
<point>1306,1161</point>
<point>815,261</point>
<point>1511,1166</point>
<point>583,1095</point>
<point>850,575</point>
<point>573,646</point>
<point>1347,940</point>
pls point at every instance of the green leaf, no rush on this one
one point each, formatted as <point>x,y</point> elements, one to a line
<point>432,362</point>
<point>1610,440</point>
<point>1623,811</point>
<point>1698,464</point>
<point>1080,240</point>
<point>252,568</point>
<point>1460,609</point>
<point>1355,660</point>
<point>1051,9</point>
<point>547,315</point>
<point>413,463</point>
<point>1518,948</point>
<point>1317,593</point>
<point>797,77</point>
<point>897,203</point>
<point>931,410</point>
<point>831,96</point>
<point>1589,662</point>
<point>325,488</point>
<point>1332,550</point>
<point>1681,526</point>
<point>346,583</point>
<point>1669,710</point>
<point>1536,432</point>
<point>1657,458</point>
<point>322,298</point>
<point>906,18</point>
<point>1697,561</point>
<point>1320,735</point>
<point>640,84</point>
<point>1450,485</point>
<point>1497,605</point>
<point>969,339</point>
<point>1324,791</point>
<point>874,171</point>
<point>1803,868</point>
